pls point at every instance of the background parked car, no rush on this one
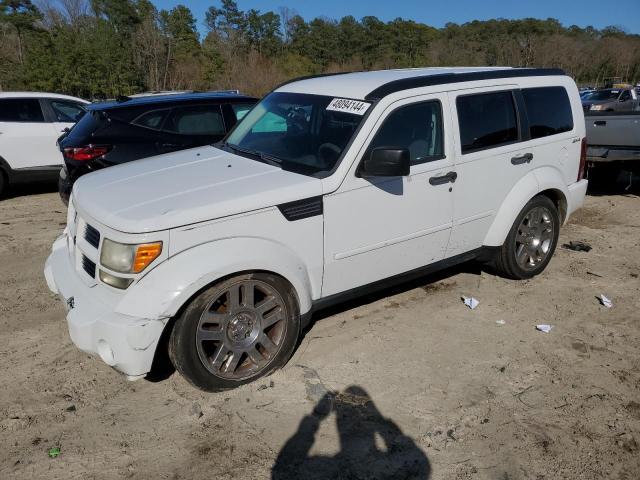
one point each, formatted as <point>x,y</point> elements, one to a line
<point>30,123</point>
<point>611,100</point>
<point>133,128</point>
<point>613,140</point>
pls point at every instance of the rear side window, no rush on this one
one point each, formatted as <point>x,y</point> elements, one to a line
<point>20,110</point>
<point>416,127</point>
<point>195,120</point>
<point>548,110</point>
<point>152,119</point>
<point>67,112</point>
<point>486,120</point>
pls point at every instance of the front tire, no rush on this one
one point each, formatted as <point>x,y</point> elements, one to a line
<point>531,241</point>
<point>236,331</point>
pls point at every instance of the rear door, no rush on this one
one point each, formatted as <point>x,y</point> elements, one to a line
<point>27,140</point>
<point>490,159</point>
<point>554,140</point>
<point>66,113</point>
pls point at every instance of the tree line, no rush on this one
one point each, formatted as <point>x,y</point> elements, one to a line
<point>104,48</point>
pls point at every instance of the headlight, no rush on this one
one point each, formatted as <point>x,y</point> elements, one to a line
<point>124,258</point>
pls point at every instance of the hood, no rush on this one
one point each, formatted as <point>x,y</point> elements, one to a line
<point>186,187</point>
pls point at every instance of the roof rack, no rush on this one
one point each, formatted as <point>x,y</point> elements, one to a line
<point>152,93</point>
<point>444,78</point>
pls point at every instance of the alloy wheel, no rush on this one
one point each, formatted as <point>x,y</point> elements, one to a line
<point>534,238</point>
<point>242,329</point>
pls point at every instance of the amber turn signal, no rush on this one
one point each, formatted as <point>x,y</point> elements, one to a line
<point>145,254</point>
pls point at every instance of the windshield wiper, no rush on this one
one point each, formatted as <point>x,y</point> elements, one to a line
<point>240,149</point>
<point>270,159</point>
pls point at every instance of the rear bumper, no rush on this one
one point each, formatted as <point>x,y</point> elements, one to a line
<point>612,154</point>
<point>64,186</point>
<point>575,198</point>
<point>125,343</point>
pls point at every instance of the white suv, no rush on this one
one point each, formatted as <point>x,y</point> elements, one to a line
<point>30,124</point>
<point>329,187</point>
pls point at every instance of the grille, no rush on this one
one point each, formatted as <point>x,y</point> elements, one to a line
<point>92,236</point>
<point>89,267</point>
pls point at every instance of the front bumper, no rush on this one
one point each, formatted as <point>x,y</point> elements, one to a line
<point>126,343</point>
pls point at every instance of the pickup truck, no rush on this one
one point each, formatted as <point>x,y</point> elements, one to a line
<point>613,145</point>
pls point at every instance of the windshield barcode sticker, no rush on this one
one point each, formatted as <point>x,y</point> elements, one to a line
<point>348,106</point>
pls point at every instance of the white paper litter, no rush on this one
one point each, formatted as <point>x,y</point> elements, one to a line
<point>500,322</point>
<point>470,302</point>
<point>544,328</point>
<point>605,301</point>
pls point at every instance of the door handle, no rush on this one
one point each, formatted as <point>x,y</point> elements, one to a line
<point>169,145</point>
<point>520,159</point>
<point>599,123</point>
<point>450,177</point>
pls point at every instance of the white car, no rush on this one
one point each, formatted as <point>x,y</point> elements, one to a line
<point>329,187</point>
<point>30,124</point>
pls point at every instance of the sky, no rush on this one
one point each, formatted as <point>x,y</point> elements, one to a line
<point>598,13</point>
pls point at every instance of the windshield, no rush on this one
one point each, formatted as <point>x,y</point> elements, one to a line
<point>299,132</point>
<point>604,95</point>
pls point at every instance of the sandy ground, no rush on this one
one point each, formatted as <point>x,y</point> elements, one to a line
<point>405,384</point>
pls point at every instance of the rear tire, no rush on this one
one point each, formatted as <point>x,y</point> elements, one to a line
<point>4,183</point>
<point>236,331</point>
<point>531,241</point>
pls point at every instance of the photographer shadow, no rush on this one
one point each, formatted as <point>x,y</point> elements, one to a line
<point>360,456</point>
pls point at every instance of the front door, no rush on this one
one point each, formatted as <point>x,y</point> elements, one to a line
<point>379,227</point>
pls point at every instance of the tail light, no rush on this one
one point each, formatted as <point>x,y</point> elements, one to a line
<point>583,159</point>
<point>84,154</point>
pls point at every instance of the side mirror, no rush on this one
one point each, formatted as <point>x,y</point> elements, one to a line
<point>386,162</point>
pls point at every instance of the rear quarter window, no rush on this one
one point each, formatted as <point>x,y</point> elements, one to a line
<point>486,120</point>
<point>548,110</point>
<point>87,125</point>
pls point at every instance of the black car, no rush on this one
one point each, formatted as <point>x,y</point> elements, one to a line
<point>132,128</point>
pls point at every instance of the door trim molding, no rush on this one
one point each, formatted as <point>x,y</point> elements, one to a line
<point>392,241</point>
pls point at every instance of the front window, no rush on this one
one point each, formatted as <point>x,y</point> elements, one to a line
<point>416,127</point>
<point>21,110</point>
<point>604,95</point>
<point>298,132</point>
